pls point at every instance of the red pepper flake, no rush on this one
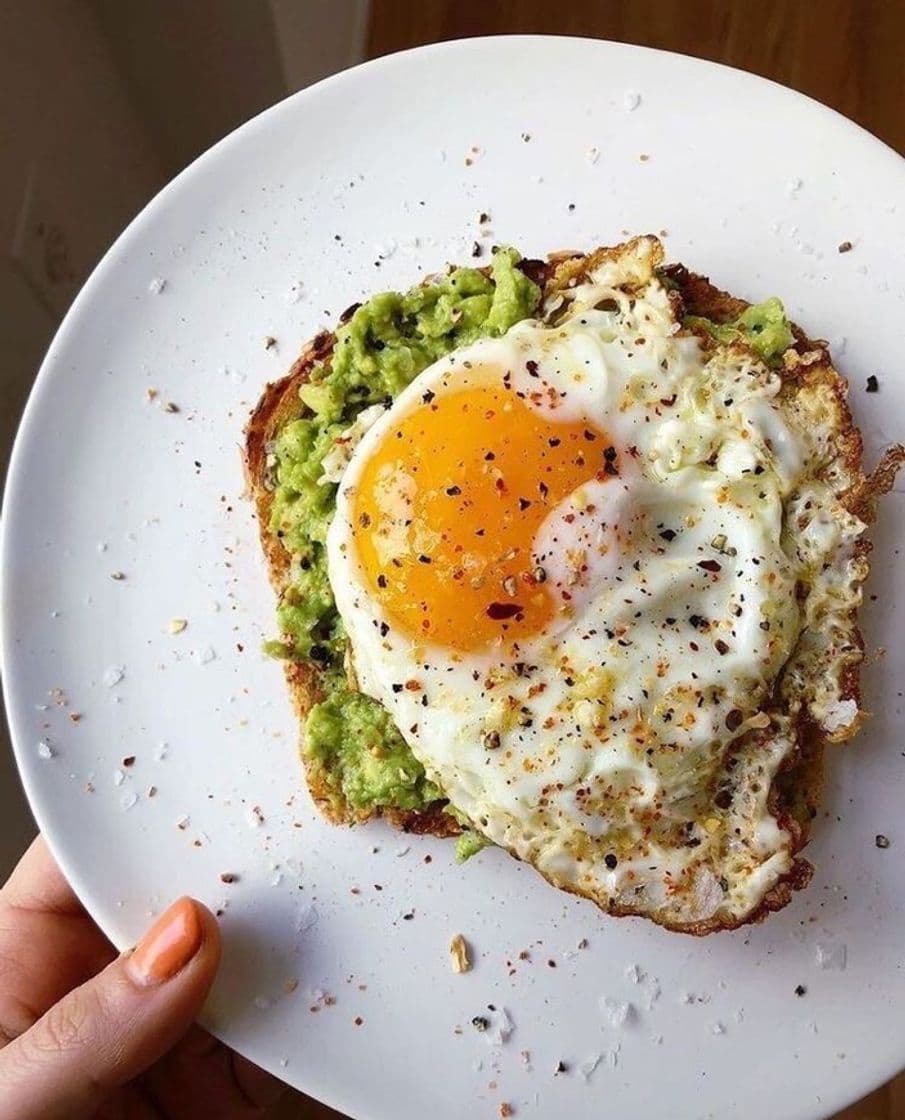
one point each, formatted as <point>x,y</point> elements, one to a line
<point>228,877</point>
<point>129,760</point>
<point>710,565</point>
<point>358,1020</point>
<point>872,384</point>
<point>500,611</point>
<point>846,247</point>
<point>722,647</point>
<point>506,1110</point>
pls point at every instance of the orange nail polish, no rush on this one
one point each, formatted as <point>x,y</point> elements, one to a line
<point>169,944</point>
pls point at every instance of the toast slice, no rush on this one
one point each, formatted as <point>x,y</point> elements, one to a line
<point>795,795</point>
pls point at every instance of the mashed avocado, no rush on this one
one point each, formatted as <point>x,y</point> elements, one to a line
<point>388,341</point>
<point>763,326</point>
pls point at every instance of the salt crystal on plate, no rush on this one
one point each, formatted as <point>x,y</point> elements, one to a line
<point>793,187</point>
<point>306,918</point>
<point>204,656</point>
<point>500,1027</point>
<point>586,1068</point>
<point>592,155</point>
<point>128,800</point>
<point>617,1011</point>
<point>113,675</point>
<point>156,286</point>
<point>831,956</point>
<point>651,988</point>
<point>633,973</point>
<point>45,750</point>
<point>718,1028</point>
<point>295,292</point>
<point>631,100</point>
<point>118,777</point>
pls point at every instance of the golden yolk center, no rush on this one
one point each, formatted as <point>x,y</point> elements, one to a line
<point>448,508</point>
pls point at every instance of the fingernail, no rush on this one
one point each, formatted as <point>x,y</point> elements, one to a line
<point>169,944</point>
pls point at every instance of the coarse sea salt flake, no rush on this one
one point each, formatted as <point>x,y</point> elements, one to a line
<point>156,285</point>
<point>500,1027</point>
<point>204,656</point>
<point>45,750</point>
<point>128,799</point>
<point>618,1012</point>
<point>631,100</point>
<point>587,1067</point>
<point>306,918</point>
<point>831,956</point>
<point>113,674</point>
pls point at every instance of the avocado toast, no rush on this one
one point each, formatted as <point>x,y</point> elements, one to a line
<point>357,764</point>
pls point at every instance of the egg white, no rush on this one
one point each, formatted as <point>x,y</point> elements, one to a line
<point>635,743</point>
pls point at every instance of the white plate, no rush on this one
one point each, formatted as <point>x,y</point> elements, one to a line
<point>274,232</point>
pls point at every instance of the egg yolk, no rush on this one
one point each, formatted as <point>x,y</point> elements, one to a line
<point>448,508</point>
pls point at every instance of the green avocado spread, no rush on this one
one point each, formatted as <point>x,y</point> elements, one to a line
<point>349,738</point>
<point>762,326</point>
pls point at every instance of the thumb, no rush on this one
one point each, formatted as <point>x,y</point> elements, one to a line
<point>112,1028</point>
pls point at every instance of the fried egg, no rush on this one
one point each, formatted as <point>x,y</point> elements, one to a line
<point>570,564</point>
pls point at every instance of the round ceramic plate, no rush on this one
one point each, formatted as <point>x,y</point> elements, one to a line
<point>182,769</point>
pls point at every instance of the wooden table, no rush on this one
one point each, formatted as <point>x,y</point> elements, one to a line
<point>850,54</point>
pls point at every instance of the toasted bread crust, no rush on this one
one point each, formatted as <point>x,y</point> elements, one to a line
<point>795,796</point>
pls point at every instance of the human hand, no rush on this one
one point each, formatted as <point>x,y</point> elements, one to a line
<point>85,1033</point>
